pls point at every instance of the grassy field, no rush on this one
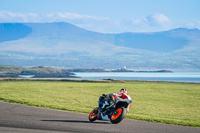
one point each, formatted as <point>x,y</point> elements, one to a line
<point>172,103</point>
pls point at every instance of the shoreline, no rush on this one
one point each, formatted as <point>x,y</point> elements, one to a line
<point>90,80</point>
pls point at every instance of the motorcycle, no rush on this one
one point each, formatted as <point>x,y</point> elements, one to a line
<point>110,111</point>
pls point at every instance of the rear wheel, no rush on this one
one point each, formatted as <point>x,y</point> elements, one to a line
<point>118,115</point>
<point>93,114</point>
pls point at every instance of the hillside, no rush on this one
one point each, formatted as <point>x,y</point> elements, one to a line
<point>36,72</point>
<point>66,45</point>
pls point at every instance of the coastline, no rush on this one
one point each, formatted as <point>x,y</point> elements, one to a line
<point>90,80</point>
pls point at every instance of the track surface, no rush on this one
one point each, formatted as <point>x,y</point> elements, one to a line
<point>22,119</point>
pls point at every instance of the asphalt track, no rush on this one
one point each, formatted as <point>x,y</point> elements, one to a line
<point>15,118</point>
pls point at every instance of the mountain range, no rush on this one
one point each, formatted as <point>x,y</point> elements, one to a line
<point>65,45</point>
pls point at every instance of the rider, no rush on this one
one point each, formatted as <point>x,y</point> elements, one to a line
<point>113,97</point>
<point>121,95</point>
<point>125,95</point>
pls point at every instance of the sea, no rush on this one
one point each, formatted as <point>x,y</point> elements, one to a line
<point>177,76</point>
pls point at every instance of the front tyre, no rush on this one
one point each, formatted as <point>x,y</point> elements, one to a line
<point>118,115</point>
<point>93,114</point>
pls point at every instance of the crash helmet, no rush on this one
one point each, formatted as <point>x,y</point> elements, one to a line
<point>123,91</point>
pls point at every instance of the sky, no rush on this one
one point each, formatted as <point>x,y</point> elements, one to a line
<point>106,16</point>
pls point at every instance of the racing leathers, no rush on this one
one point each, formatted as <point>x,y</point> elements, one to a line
<point>120,96</point>
<point>112,98</point>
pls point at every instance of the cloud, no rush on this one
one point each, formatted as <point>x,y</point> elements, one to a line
<point>69,15</point>
<point>193,25</point>
<point>159,19</point>
<point>6,16</point>
<point>154,22</point>
<point>150,23</point>
<point>85,21</point>
<point>139,21</point>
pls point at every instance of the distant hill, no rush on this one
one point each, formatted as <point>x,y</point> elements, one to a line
<point>15,31</point>
<point>36,72</point>
<point>65,45</point>
<point>166,41</point>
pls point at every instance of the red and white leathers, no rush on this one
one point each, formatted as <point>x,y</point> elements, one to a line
<point>123,95</point>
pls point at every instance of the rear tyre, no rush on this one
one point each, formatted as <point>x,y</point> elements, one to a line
<point>93,114</point>
<point>118,116</point>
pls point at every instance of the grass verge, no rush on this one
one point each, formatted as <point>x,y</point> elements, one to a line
<point>172,103</point>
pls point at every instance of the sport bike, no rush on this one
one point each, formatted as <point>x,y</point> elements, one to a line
<point>109,110</point>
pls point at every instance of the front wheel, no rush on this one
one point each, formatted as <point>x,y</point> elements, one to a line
<point>118,115</point>
<point>93,114</point>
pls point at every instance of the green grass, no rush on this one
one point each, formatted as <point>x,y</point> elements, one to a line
<point>172,103</point>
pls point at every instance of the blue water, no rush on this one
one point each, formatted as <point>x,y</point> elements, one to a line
<point>175,76</point>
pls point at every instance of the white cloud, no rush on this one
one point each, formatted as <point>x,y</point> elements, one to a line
<point>159,19</point>
<point>139,21</point>
<point>192,25</point>
<point>6,16</point>
<point>85,21</point>
<point>68,15</point>
<point>151,23</point>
